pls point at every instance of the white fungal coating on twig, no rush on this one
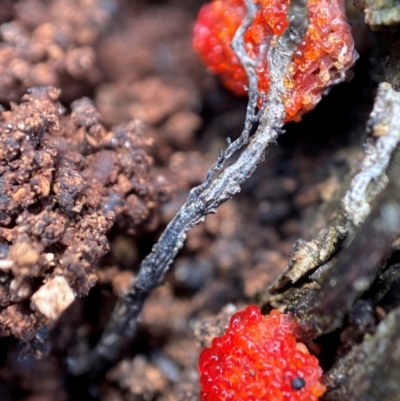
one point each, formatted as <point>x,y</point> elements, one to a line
<point>385,124</point>
<point>220,185</point>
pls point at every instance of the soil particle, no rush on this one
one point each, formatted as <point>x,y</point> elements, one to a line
<point>52,298</point>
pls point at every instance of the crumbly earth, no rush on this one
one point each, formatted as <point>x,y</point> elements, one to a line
<point>96,164</point>
<point>51,43</point>
<point>66,181</point>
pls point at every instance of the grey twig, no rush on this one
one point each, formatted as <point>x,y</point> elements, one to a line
<point>371,179</point>
<point>249,65</point>
<point>219,186</point>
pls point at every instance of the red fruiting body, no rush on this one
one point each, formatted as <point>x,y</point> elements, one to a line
<point>258,359</point>
<point>322,59</point>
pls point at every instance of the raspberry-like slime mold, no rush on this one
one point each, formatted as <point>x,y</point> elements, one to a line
<point>259,359</point>
<point>322,59</point>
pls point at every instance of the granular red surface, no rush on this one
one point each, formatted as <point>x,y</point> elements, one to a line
<point>258,358</point>
<point>322,59</point>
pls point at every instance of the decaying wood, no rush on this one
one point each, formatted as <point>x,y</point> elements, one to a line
<point>363,189</point>
<point>371,370</point>
<point>359,262</point>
